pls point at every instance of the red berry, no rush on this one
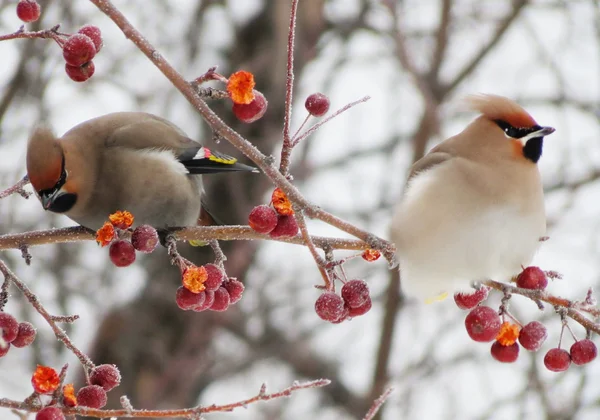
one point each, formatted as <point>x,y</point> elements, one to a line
<point>532,278</point>
<point>28,10</point>
<point>222,300</point>
<point>483,324</point>
<point>253,111</point>
<point>286,227</point>
<point>344,316</point>
<point>93,33</point>
<point>4,350</point>
<point>317,104</point>
<point>329,306</point>
<point>25,336</point>
<point>583,351</point>
<point>215,277</point>
<point>533,335</point>
<point>50,413</point>
<point>80,73</point>
<point>235,289</point>
<point>122,253</point>
<point>355,293</point>
<point>557,360</point>
<point>209,299</point>
<point>505,354</point>
<point>106,376</point>
<point>361,310</point>
<point>93,396</point>
<point>187,300</point>
<point>262,219</point>
<point>78,49</point>
<point>144,239</point>
<point>471,300</point>
<point>9,327</point>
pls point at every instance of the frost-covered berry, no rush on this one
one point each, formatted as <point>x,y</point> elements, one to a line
<point>317,104</point>
<point>355,293</point>
<point>50,413</point>
<point>286,227</point>
<point>187,300</point>
<point>222,300</point>
<point>106,376</point>
<point>360,310</point>
<point>144,238</point>
<point>209,299</point>
<point>262,219</point>
<point>505,354</point>
<point>533,335</point>
<point>532,278</point>
<point>214,277</point>
<point>483,324</point>
<point>122,253</point>
<point>28,10</point>
<point>471,300</point>
<point>93,396</point>
<point>93,33</point>
<point>80,73</point>
<point>557,360</point>
<point>25,336</point>
<point>235,289</point>
<point>582,351</point>
<point>8,326</point>
<point>78,49</point>
<point>253,111</point>
<point>329,306</point>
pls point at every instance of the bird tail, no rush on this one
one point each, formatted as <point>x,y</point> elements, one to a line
<point>214,162</point>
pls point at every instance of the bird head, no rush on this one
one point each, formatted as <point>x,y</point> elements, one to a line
<point>47,173</point>
<point>509,119</point>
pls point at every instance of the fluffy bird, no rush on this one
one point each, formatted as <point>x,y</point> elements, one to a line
<point>130,161</point>
<point>473,207</point>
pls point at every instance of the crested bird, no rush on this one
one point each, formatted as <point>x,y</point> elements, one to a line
<point>130,161</point>
<point>473,207</point>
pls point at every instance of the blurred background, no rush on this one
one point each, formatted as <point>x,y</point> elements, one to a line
<point>416,59</point>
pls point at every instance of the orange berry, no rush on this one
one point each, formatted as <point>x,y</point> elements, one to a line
<point>121,219</point>
<point>240,87</point>
<point>194,278</point>
<point>45,380</point>
<point>105,234</point>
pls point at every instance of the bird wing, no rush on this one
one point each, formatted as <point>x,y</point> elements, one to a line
<point>142,131</point>
<point>431,159</point>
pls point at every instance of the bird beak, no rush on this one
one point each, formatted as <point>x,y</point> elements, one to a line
<point>544,131</point>
<point>48,199</point>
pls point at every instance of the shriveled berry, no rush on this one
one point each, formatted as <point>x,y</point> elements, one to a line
<point>329,306</point>
<point>286,227</point>
<point>214,278</point>
<point>80,73</point>
<point>317,104</point>
<point>93,33</point>
<point>25,336</point>
<point>222,300</point>
<point>532,278</point>
<point>355,293</point>
<point>93,396</point>
<point>209,299</point>
<point>78,49</point>
<point>533,335</point>
<point>9,327</point>
<point>144,239</point>
<point>583,351</point>
<point>253,111</point>
<point>106,376</point>
<point>187,300</point>
<point>505,354</point>
<point>360,310</point>
<point>122,253</point>
<point>262,219</point>
<point>483,324</point>
<point>4,350</point>
<point>28,10</point>
<point>471,300</point>
<point>235,289</point>
<point>557,360</point>
<point>50,413</point>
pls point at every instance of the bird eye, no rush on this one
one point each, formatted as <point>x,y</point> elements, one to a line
<point>63,203</point>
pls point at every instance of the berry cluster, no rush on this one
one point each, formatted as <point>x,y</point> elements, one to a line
<point>354,301</point>
<point>485,324</point>
<point>276,219</point>
<point>213,292</point>
<point>122,251</point>
<point>28,10</point>
<point>14,333</point>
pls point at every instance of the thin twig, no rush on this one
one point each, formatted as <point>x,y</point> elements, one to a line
<point>377,404</point>
<point>17,189</point>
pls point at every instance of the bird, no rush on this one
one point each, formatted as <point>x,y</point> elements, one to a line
<point>473,207</point>
<point>131,161</point>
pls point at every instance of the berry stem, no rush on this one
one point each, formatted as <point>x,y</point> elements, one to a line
<point>220,256</point>
<point>298,130</point>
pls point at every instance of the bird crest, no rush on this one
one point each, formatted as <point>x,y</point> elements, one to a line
<point>499,108</point>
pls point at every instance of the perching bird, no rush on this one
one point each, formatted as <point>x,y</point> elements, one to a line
<point>123,161</point>
<point>473,207</point>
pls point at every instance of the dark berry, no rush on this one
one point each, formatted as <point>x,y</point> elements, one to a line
<point>144,239</point>
<point>122,253</point>
<point>262,219</point>
<point>78,49</point>
<point>235,289</point>
<point>583,351</point>
<point>50,413</point>
<point>286,227</point>
<point>329,306</point>
<point>9,327</point>
<point>505,354</point>
<point>93,33</point>
<point>253,111</point>
<point>187,300</point>
<point>106,376</point>
<point>25,336</point>
<point>80,73</point>
<point>222,300</point>
<point>557,360</point>
<point>93,396</point>
<point>215,277</point>
<point>317,104</point>
<point>361,310</point>
<point>483,324</point>
<point>355,293</point>
<point>471,300</point>
<point>532,278</point>
<point>533,335</point>
<point>209,299</point>
<point>28,10</point>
